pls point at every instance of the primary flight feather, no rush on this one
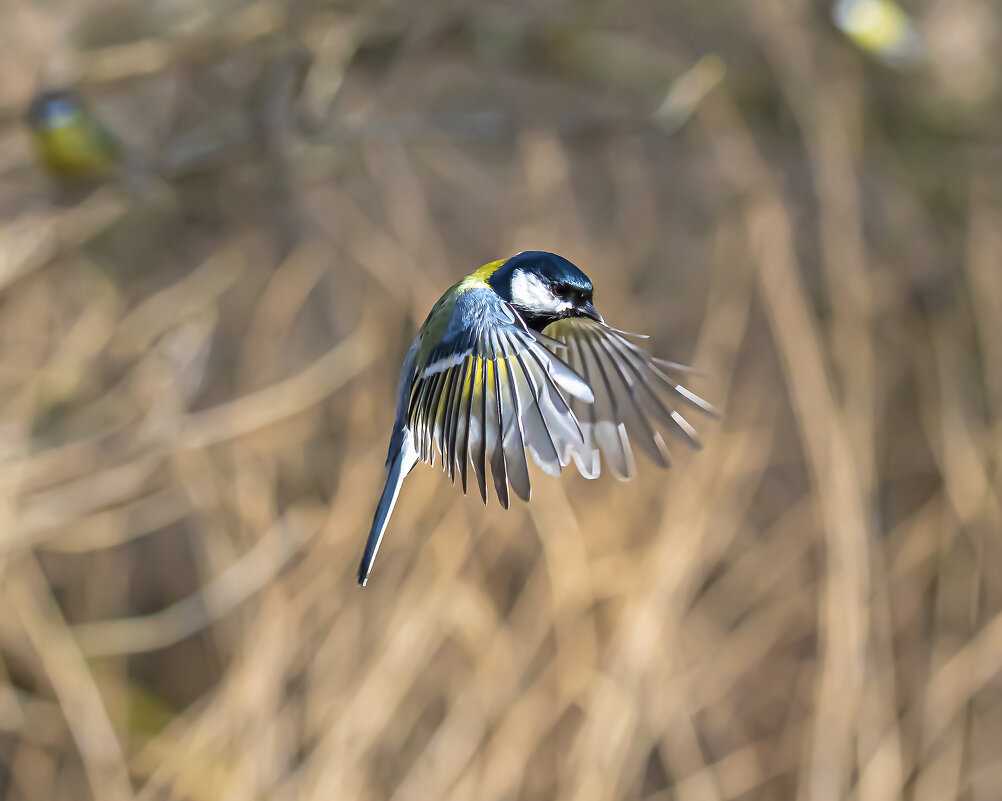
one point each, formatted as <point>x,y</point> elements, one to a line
<point>515,358</point>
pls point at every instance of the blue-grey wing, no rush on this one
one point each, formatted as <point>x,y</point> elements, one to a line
<point>636,397</point>
<point>481,388</point>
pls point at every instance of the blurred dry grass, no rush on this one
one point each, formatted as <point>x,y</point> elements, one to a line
<point>196,385</point>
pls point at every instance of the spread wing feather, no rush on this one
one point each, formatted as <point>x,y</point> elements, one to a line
<point>635,397</point>
<point>512,435</point>
<point>492,389</point>
<point>490,392</point>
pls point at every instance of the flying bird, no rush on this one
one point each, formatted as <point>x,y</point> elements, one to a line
<point>881,28</point>
<point>515,358</point>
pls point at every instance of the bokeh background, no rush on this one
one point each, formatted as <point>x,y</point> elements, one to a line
<point>198,361</point>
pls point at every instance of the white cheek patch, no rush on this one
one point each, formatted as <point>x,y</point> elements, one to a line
<point>529,292</point>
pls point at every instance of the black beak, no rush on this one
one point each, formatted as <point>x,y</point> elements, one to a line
<point>588,310</point>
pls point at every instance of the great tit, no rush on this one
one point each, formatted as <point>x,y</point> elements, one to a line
<point>515,357</point>
<point>882,28</point>
<point>70,141</point>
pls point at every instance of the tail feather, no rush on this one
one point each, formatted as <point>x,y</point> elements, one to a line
<point>396,471</point>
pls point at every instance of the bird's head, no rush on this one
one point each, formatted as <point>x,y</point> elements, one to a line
<point>70,142</point>
<point>544,287</point>
<point>54,109</point>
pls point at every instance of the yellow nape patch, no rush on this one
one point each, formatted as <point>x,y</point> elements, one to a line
<point>478,278</point>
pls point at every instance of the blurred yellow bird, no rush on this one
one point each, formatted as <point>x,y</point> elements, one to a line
<point>880,27</point>
<point>70,142</point>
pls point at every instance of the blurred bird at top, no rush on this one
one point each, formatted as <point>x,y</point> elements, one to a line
<point>881,28</point>
<point>70,141</point>
<point>515,357</point>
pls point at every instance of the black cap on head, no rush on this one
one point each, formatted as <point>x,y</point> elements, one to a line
<point>553,270</point>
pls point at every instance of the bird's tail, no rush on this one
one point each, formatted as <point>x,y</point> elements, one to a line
<point>397,469</point>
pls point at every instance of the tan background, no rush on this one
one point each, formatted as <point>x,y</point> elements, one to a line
<point>197,375</point>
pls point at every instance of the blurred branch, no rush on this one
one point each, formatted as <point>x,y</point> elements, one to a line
<point>31,600</point>
<point>77,499</point>
<point>203,286</point>
<point>689,90</point>
<point>279,401</point>
<point>113,527</point>
<point>114,63</point>
<point>34,239</point>
<point>829,452</point>
<point>218,598</point>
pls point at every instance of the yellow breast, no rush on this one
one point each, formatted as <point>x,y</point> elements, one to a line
<point>73,150</point>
